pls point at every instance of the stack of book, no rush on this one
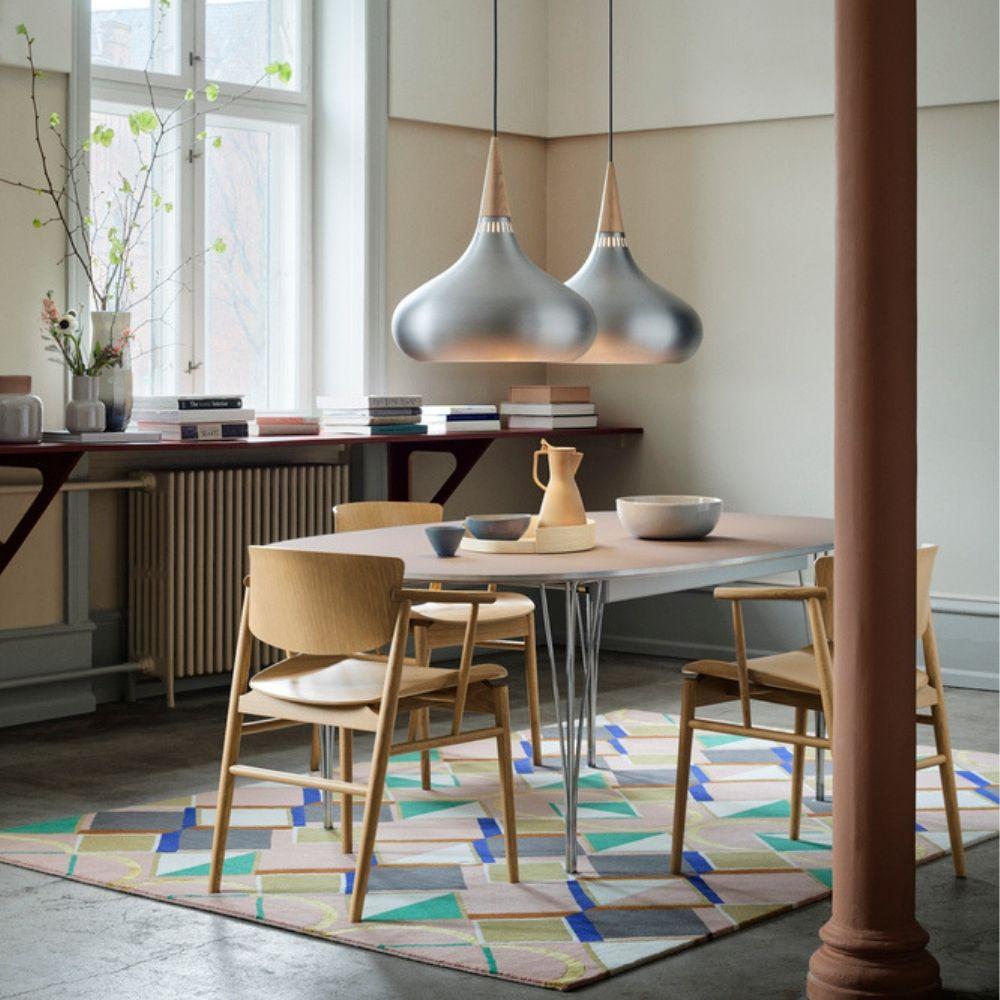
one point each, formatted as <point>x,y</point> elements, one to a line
<point>548,407</point>
<point>370,416</point>
<point>280,424</point>
<point>461,417</point>
<point>192,418</point>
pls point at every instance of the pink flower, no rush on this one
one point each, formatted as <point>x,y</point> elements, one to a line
<point>50,314</point>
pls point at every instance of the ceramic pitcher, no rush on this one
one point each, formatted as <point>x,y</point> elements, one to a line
<point>562,505</point>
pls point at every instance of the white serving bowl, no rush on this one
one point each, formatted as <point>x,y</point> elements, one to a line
<point>673,517</point>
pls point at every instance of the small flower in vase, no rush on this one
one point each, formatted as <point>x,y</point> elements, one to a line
<point>62,330</point>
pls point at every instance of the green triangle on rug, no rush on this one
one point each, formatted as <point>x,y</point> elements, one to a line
<point>785,844</point>
<point>65,824</point>
<point>424,807</point>
<point>239,864</point>
<point>718,739</point>
<point>824,875</point>
<point>773,810</point>
<point>619,838</point>
<point>436,908</point>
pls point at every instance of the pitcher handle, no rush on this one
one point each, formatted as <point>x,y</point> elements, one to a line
<point>534,471</point>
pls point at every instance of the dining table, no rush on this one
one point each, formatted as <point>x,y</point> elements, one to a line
<point>620,567</point>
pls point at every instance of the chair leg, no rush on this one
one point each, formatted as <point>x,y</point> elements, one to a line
<point>422,654</point>
<point>326,769</point>
<point>224,801</point>
<point>942,744</point>
<point>424,728</point>
<point>531,676</point>
<point>347,801</point>
<point>373,806</point>
<point>314,750</point>
<point>683,774</point>
<point>798,769</point>
<point>505,763</point>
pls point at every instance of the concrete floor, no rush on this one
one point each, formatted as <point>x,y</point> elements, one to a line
<point>64,941</point>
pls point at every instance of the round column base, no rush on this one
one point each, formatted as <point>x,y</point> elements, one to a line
<point>853,965</point>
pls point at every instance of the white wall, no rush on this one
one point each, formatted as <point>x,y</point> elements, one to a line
<point>441,63</point>
<point>678,62</point>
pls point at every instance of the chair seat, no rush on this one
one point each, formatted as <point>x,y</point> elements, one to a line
<point>314,680</point>
<point>506,607</point>
<point>794,671</point>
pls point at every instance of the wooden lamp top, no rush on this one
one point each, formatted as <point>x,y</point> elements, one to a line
<point>610,220</point>
<point>494,202</point>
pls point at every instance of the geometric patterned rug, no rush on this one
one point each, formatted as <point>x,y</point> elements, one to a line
<point>438,891</point>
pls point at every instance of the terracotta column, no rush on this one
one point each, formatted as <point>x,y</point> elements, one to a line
<point>873,945</point>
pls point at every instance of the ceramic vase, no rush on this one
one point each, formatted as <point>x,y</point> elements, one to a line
<point>115,381</point>
<point>20,411</point>
<point>84,411</point>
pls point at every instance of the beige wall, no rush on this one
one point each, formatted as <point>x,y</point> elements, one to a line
<point>31,589</point>
<point>738,220</point>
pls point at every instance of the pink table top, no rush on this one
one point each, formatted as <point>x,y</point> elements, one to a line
<point>737,539</point>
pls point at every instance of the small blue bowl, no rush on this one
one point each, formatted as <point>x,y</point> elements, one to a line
<point>445,538</point>
<point>498,527</point>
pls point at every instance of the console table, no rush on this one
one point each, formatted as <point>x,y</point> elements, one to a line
<point>55,461</point>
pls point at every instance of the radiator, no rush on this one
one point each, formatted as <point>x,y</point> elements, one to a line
<point>188,541</point>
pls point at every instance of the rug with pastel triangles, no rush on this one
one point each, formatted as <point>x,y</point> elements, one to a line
<point>439,891</point>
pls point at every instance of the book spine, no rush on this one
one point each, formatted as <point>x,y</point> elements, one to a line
<point>220,403</point>
<point>212,432</point>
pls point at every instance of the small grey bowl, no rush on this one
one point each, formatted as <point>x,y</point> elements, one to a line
<point>498,527</point>
<point>445,538</point>
<point>669,517</point>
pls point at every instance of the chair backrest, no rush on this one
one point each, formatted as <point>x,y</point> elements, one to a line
<point>926,555</point>
<point>365,514</point>
<point>323,602</point>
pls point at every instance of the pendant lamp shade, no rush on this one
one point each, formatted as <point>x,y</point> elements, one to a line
<point>493,303</point>
<point>638,321</point>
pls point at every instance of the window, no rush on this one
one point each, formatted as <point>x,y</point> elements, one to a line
<point>236,176</point>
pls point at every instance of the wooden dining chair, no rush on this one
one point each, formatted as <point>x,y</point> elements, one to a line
<point>506,624</point>
<point>326,606</point>
<point>804,680</point>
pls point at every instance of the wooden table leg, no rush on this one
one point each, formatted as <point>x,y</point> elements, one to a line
<point>55,468</point>
<point>466,454</point>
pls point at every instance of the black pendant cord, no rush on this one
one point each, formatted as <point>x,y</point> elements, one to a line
<point>496,50</point>
<point>611,86</point>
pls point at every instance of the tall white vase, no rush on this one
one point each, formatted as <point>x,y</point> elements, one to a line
<point>116,381</point>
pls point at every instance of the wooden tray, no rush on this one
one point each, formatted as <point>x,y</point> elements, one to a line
<point>538,541</point>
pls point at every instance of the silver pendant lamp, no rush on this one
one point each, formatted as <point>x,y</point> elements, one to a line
<point>638,321</point>
<point>493,303</point>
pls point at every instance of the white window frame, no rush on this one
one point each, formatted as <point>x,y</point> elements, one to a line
<point>101,83</point>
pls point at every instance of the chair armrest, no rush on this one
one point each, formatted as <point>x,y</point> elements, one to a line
<point>769,593</point>
<point>449,596</point>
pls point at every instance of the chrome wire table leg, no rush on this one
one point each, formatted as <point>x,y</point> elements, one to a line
<point>326,769</point>
<point>570,719</point>
<point>596,600</point>
<point>583,605</point>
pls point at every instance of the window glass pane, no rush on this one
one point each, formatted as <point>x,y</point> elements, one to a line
<point>155,237</point>
<point>253,288</point>
<point>128,34</point>
<point>243,36</point>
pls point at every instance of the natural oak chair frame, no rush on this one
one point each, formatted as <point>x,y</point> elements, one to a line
<point>706,683</point>
<point>326,606</point>
<point>516,633</point>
